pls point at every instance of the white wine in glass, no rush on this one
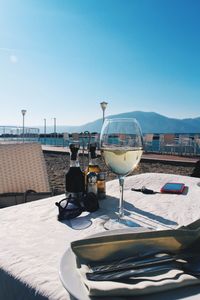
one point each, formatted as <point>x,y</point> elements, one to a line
<point>121,146</point>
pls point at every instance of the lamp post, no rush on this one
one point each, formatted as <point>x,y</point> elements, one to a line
<point>54,122</point>
<point>23,111</point>
<point>45,130</point>
<point>103,106</point>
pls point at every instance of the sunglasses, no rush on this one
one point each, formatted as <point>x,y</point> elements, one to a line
<point>70,207</point>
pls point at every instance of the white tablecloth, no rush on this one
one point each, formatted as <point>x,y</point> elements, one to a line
<point>32,241</point>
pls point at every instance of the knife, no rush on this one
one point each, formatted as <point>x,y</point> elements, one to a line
<point>135,262</point>
<point>141,261</point>
<point>134,273</point>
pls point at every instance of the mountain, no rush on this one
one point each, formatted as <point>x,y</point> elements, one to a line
<point>150,122</point>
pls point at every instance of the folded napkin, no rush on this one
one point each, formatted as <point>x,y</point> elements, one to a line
<point>125,243</point>
<point>142,285</point>
<point>119,244</point>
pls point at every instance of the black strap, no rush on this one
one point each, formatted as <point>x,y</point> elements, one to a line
<point>144,190</point>
<point>66,213</point>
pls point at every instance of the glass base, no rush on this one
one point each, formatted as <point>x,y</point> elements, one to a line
<point>80,223</point>
<point>112,224</point>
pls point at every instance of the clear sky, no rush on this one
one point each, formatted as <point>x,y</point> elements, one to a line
<point>61,58</point>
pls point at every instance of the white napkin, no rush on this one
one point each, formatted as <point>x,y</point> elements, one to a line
<point>142,285</point>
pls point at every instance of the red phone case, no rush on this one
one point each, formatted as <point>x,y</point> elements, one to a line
<point>173,188</point>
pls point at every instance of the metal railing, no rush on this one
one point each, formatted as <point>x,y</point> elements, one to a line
<point>64,139</point>
<point>171,143</point>
<point>17,134</point>
<point>176,144</point>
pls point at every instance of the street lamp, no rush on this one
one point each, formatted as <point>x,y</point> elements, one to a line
<point>45,130</point>
<point>54,121</point>
<point>55,135</point>
<point>103,106</point>
<point>23,111</point>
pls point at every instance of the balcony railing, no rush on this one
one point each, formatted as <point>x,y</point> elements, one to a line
<point>16,134</point>
<point>170,143</point>
<point>175,144</point>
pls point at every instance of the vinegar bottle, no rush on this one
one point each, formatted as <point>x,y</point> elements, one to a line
<point>74,178</point>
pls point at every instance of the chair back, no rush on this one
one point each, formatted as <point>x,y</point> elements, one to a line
<point>148,142</point>
<point>22,168</point>
<point>167,138</point>
<point>148,138</point>
<point>65,136</point>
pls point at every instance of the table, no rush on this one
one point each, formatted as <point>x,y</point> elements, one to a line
<point>32,241</point>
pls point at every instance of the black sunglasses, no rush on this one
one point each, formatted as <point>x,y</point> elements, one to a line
<point>70,207</point>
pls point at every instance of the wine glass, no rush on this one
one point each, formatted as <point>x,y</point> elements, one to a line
<point>121,145</point>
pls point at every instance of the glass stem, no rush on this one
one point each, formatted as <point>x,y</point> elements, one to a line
<point>121,200</point>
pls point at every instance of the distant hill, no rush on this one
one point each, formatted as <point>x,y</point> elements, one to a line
<point>150,122</point>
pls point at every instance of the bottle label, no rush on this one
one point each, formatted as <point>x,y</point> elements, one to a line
<point>101,185</point>
<point>92,183</point>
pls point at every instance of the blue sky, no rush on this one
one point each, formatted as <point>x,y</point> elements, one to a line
<point>61,58</point>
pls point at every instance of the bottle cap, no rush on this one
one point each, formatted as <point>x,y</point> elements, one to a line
<point>74,151</point>
<point>92,149</point>
<point>101,176</point>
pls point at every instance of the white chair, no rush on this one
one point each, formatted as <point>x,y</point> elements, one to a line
<point>168,143</point>
<point>65,139</point>
<point>148,140</point>
<point>196,144</point>
<point>186,144</point>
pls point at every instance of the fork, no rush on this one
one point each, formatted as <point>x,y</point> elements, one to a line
<point>142,260</point>
<point>192,268</point>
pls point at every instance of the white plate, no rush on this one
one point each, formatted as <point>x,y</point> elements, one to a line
<point>71,280</point>
<point>70,277</point>
<point>68,270</point>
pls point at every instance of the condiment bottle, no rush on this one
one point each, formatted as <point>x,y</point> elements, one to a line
<point>74,178</point>
<point>101,185</point>
<point>92,183</point>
